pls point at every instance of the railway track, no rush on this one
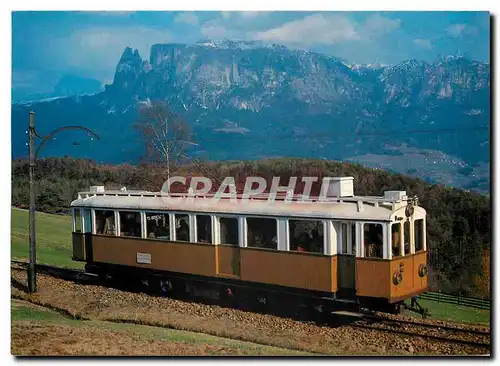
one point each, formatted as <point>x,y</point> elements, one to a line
<point>71,274</point>
<point>426,325</point>
<point>433,332</point>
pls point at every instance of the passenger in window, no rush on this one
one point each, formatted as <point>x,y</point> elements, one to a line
<point>395,244</point>
<point>183,231</point>
<point>207,231</point>
<point>373,242</point>
<point>109,226</point>
<point>379,243</point>
<point>315,241</point>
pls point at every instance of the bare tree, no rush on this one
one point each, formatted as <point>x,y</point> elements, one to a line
<point>166,136</point>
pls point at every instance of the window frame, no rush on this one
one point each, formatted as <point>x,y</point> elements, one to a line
<point>190,223</point>
<point>247,231</point>
<point>169,214</point>
<point>115,216</point>
<point>349,236</point>
<point>80,214</point>
<point>422,237</point>
<point>385,252</point>
<point>325,225</point>
<point>87,220</point>
<point>211,218</point>
<point>239,226</point>
<point>140,223</point>
<point>400,254</point>
<point>410,243</point>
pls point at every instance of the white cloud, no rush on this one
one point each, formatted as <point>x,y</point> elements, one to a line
<point>101,47</point>
<point>459,30</point>
<point>313,29</point>
<point>424,43</point>
<point>214,31</point>
<point>187,18</point>
<point>251,14</point>
<point>455,30</point>
<point>111,13</point>
<point>377,25</point>
<point>328,29</point>
<point>247,15</point>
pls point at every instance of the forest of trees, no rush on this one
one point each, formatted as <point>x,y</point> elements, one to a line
<point>459,222</point>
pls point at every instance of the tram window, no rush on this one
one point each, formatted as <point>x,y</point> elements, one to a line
<point>204,228</point>
<point>396,239</point>
<point>373,240</point>
<point>78,220</point>
<point>407,237</point>
<point>419,234</point>
<point>229,230</point>
<point>158,226</point>
<point>182,227</point>
<point>130,223</point>
<point>343,235</point>
<point>306,236</point>
<point>105,222</point>
<point>262,233</point>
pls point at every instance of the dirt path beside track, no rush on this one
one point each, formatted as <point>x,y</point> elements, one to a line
<point>107,304</point>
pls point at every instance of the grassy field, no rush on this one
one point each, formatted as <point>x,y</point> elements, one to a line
<point>54,247</point>
<point>452,312</point>
<point>53,238</point>
<point>79,338</point>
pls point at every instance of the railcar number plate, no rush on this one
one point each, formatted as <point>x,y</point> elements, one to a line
<point>144,258</point>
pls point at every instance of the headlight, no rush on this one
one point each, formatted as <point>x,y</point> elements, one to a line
<point>397,278</point>
<point>422,270</point>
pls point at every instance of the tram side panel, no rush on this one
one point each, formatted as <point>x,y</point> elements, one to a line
<point>186,258</point>
<point>299,270</point>
<point>372,278</point>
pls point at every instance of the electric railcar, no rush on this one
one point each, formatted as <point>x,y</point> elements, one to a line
<point>369,251</point>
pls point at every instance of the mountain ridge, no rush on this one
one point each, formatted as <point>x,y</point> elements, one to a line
<point>240,97</point>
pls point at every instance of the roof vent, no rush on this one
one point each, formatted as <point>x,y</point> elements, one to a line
<point>395,195</point>
<point>339,186</point>
<point>96,189</point>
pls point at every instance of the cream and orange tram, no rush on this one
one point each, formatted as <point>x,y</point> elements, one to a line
<point>345,249</point>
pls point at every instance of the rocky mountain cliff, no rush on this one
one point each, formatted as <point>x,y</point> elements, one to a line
<point>250,100</point>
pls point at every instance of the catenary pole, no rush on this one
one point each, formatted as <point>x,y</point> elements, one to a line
<point>32,160</point>
<point>32,263</point>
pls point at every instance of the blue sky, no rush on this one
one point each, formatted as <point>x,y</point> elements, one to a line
<point>49,45</point>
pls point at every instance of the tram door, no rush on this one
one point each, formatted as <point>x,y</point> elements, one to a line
<point>346,265</point>
<point>228,250</point>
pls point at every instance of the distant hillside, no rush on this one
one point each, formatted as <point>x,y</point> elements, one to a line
<point>459,222</point>
<point>247,100</point>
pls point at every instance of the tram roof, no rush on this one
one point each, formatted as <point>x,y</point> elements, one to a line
<point>352,209</point>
